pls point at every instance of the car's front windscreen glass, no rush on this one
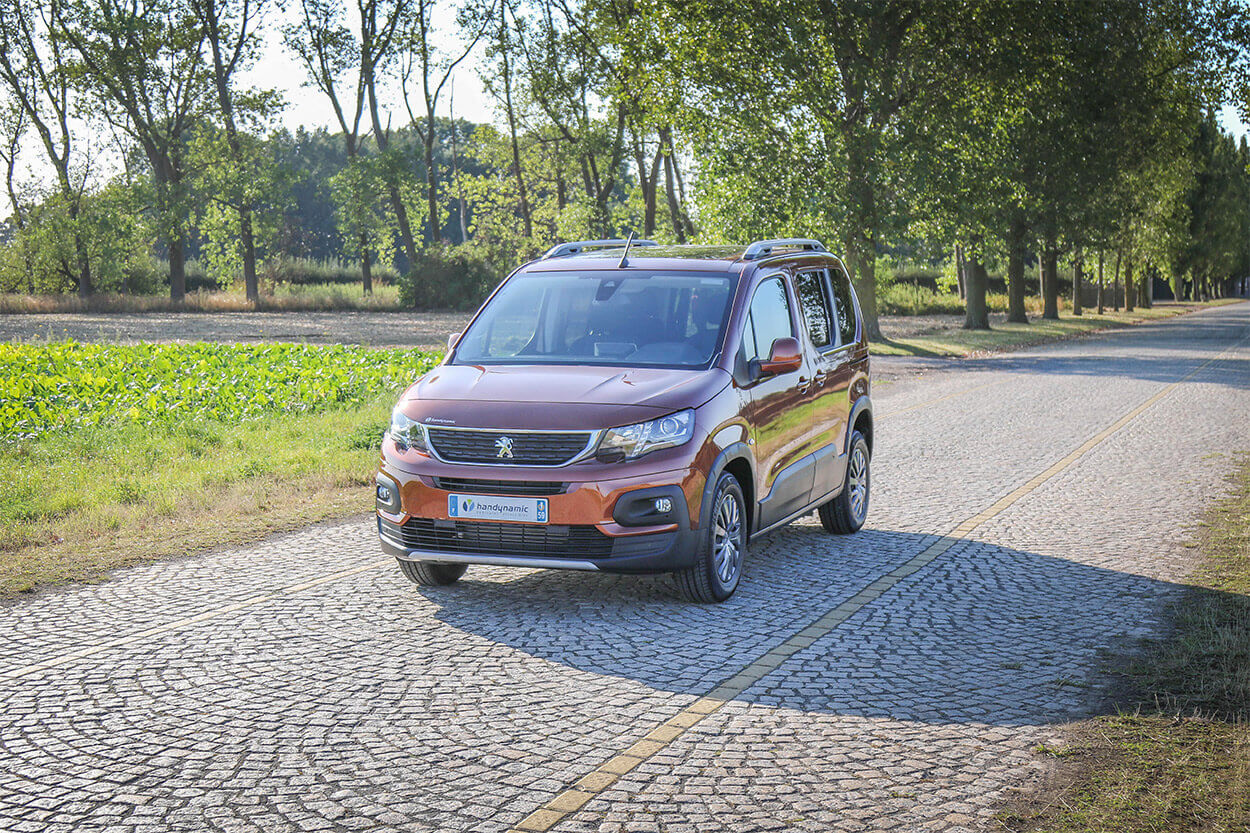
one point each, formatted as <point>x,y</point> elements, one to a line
<point>601,318</point>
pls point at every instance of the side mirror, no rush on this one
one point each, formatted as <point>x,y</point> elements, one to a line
<point>785,356</point>
<point>451,341</point>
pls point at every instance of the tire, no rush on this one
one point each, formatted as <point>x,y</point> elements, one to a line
<point>722,547</point>
<point>847,512</point>
<point>431,573</point>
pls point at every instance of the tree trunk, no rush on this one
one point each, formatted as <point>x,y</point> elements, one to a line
<point>1050,281</point>
<point>1115,282</point>
<point>1101,258</point>
<point>84,263</point>
<point>431,181</point>
<point>674,190</point>
<point>527,218</point>
<point>864,259</point>
<point>959,271</point>
<point>225,100</point>
<point>978,314</point>
<point>1078,272</point>
<point>1145,297</point>
<point>177,269</point>
<point>862,249</point>
<point>674,208</point>
<point>1129,285</point>
<point>366,265</point>
<point>382,137</point>
<point>648,177</point>
<point>1015,272</point>
<point>680,199</point>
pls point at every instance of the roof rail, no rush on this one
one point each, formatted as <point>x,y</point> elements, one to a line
<point>566,249</point>
<point>763,248</point>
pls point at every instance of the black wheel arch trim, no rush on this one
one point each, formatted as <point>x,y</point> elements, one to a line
<point>862,405</point>
<point>734,451</point>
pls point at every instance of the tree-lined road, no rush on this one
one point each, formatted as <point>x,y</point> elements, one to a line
<point>1028,514</point>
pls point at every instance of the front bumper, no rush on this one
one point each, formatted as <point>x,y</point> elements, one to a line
<point>588,528</point>
<point>646,553</point>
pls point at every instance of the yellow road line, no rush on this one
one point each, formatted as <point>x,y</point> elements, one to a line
<point>180,624</point>
<point>605,775</point>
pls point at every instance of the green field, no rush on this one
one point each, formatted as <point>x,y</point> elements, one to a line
<point>111,455</point>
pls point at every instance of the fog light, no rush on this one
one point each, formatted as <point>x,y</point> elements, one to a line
<point>384,493</point>
<point>663,505</point>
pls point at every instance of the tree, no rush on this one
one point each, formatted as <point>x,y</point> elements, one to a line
<point>142,59</point>
<point>343,66</point>
<point>230,28</point>
<point>844,74</point>
<point>424,65</point>
<point>35,69</point>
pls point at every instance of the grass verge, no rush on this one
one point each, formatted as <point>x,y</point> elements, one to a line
<point>1178,758</point>
<point>222,445</point>
<point>951,340</point>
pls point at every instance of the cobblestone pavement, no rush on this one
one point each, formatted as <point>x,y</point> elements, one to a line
<point>303,684</point>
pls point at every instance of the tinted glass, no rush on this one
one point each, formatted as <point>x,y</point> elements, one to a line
<point>814,302</point>
<point>769,319</point>
<point>843,306</point>
<point>601,318</point>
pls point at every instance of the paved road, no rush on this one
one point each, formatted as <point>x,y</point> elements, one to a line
<point>1029,513</point>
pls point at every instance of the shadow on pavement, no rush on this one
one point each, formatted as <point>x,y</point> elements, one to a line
<point>983,634</point>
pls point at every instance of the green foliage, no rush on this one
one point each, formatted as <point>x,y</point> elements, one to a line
<point>451,277</point>
<point>70,386</point>
<point>364,219</point>
<point>223,185</point>
<point>110,226</point>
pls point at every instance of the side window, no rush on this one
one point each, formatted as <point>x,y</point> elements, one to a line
<point>814,302</point>
<point>843,305</point>
<point>768,320</point>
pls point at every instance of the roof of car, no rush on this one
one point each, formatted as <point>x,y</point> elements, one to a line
<point>685,258</point>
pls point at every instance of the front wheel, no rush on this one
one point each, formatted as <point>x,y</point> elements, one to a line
<point>722,547</point>
<point>431,573</point>
<point>846,512</point>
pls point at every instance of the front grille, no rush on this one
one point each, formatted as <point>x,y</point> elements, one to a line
<point>534,488</point>
<point>534,540</point>
<point>527,448</point>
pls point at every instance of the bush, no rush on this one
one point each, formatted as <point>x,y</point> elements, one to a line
<point>299,271</point>
<point>450,277</point>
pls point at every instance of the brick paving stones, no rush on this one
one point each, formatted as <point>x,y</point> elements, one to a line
<point>366,703</point>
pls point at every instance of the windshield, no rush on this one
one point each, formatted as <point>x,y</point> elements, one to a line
<point>601,318</point>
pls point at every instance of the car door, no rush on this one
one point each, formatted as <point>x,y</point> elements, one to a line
<point>784,467</point>
<point>827,402</point>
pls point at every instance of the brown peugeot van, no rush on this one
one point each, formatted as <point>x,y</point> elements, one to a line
<point>631,408</point>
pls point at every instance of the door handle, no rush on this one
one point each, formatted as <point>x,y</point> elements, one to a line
<point>820,377</point>
<point>803,384</point>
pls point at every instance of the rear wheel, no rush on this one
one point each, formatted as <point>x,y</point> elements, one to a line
<point>846,512</point>
<point>431,573</point>
<point>722,547</point>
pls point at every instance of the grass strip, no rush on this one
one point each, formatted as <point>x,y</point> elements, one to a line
<point>149,452</point>
<point>1176,758</point>
<point>951,340</point>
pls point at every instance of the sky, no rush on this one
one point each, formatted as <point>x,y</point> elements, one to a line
<point>309,107</point>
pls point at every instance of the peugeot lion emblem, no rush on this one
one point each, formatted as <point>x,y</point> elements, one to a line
<point>504,444</point>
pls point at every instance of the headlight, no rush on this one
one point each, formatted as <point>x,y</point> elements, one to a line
<point>407,433</point>
<point>632,441</point>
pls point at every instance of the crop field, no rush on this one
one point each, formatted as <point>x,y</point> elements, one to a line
<point>69,386</point>
<point>115,454</point>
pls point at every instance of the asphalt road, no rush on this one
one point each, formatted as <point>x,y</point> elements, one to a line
<point>1029,513</point>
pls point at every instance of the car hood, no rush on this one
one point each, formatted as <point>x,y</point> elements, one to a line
<point>553,397</point>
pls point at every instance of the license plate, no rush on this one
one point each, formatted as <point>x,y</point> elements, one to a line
<point>489,508</point>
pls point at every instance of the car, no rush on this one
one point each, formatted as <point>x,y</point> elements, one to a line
<point>625,407</point>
